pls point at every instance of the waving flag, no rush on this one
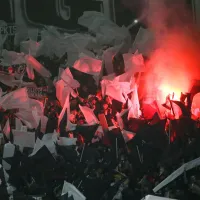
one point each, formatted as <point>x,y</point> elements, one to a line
<point>185,167</point>
<point>12,57</point>
<point>127,135</point>
<point>89,115</point>
<point>8,152</point>
<point>90,66</point>
<point>58,44</point>
<point>151,197</point>
<point>7,80</point>
<point>27,118</point>
<point>134,105</point>
<point>107,32</point>
<point>62,91</point>
<point>30,60</point>
<point>30,72</point>
<point>29,47</point>
<point>144,42</point>
<point>7,129</point>
<point>87,82</point>
<point>67,77</point>
<point>70,126</point>
<point>24,139</point>
<point>63,141</point>
<point>65,115</point>
<point>18,124</point>
<point>133,62</point>
<point>71,190</point>
<point>66,86</point>
<point>115,89</point>
<point>16,99</point>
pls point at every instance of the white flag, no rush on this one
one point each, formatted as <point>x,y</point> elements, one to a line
<point>6,129</point>
<point>67,77</point>
<point>151,197</point>
<point>72,191</point>
<point>89,115</point>
<point>185,167</point>
<point>30,47</point>
<point>63,141</point>
<point>18,124</point>
<point>115,89</point>
<point>27,117</point>
<point>133,63</point>
<point>127,135</point>
<point>30,72</point>
<point>30,60</point>
<point>90,66</point>
<point>107,32</point>
<point>144,42</point>
<point>16,99</point>
<point>24,139</point>
<point>134,105</point>
<point>8,152</point>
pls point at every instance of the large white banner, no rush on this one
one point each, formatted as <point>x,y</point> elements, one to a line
<point>36,13</point>
<point>25,18</point>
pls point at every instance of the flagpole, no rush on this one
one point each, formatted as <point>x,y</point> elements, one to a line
<point>139,154</point>
<point>117,156</point>
<point>172,110</point>
<point>125,142</point>
<point>82,152</point>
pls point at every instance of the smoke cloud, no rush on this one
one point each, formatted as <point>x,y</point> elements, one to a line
<point>176,57</point>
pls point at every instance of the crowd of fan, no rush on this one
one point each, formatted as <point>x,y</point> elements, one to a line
<point>102,167</point>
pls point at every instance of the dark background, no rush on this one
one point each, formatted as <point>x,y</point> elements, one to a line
<point>43,12</point>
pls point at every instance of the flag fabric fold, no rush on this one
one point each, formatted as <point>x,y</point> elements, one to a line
<point>7,129</point>
<point>90,66</point>
<point>16,99</point>
<point>89,115</point>
<point>72,191</point>
<point>31,61</point>
<point>134,105</point>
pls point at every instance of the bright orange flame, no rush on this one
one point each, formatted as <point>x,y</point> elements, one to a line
<point>174,68</point>
<point>166,90</point>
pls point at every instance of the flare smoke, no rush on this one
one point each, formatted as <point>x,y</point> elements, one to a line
<point>176,57</point>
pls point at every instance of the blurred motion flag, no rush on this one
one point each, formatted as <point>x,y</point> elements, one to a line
<point>144,42</point>
<point>133,62</point>
<point>7,129</point>
<point>107,32</point>
<point>29,47</point>
<point>89,115</point>
<point>134,105</point>
<point>151,197</point>
<point>31,61</point>
<point>72,191</point>
<point>90,66</point>
<point>87,83</point>
<point>16,99</point>
<point>24,139</point>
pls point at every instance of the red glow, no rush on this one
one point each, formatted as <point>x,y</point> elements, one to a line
<point>175,64</point>
<point>130,136</point>
<point>175,59</point>
<point>196,106</point>
<point>166,90</point>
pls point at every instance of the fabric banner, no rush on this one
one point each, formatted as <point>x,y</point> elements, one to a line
<point>150,197</point>
<point>8,29</point>
<point>185,167</point>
